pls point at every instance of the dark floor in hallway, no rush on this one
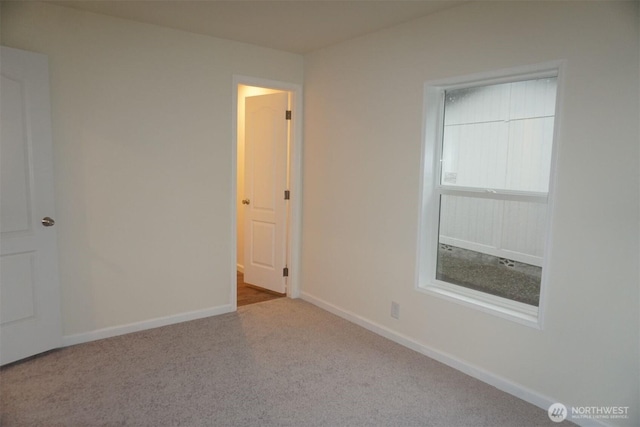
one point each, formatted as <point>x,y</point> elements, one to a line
<point>249,294</point>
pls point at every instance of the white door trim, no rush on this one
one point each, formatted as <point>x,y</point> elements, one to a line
<point>295,184</point>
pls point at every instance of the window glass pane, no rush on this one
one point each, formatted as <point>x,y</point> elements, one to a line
<point>523,230</point>
<point>474,155</point>
<point>499,136</point>
<point>528,158</point>
<point>493,246</point>
<point>532,98</point>
<point>470,220</point>
<point>477,104</point>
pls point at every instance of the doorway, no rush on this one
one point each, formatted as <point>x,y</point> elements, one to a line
<point>267,200</point>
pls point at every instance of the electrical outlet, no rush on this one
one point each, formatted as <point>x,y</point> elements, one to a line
<point>395,310</point>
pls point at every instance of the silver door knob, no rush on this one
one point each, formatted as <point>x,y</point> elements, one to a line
<point>246,201</point>
<point>48,222</point>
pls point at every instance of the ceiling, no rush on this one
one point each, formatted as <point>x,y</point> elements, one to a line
<point>297,26</point>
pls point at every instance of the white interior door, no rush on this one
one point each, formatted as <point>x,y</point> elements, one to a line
<point>266,140</point>
<point>30,321</point>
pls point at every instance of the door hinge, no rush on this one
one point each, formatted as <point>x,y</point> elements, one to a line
<point>288,115</point>
<point>287,194</point>
<point>285,272</point>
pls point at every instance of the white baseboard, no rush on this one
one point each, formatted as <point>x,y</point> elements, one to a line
<point>496,381</point>
<point>240,268</point>
<point>143,325</point>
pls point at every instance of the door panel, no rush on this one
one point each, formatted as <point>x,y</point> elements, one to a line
<point>30,320</point>
<point>266,139</point>
<point>263,238</point>
<point>16,207</point>
<point>17,302</point>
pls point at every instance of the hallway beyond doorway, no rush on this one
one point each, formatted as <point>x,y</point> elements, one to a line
<point>249,294</point>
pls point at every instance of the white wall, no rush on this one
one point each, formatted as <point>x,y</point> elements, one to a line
<point>142,122</point>
<point>361,184</point>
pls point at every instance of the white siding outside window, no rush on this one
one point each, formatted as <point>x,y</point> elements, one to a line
<point>498,137</point>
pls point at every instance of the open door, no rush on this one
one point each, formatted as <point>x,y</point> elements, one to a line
<point>30,321</point>
<point>266,147</point>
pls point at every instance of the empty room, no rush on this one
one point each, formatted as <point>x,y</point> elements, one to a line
<point>440,199</point>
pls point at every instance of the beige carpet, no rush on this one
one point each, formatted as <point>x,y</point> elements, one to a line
<point>278,363</point>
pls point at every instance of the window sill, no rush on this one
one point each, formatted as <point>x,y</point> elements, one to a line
<point>514,311</point>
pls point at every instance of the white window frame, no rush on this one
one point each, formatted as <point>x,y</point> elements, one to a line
<point>431,189</point>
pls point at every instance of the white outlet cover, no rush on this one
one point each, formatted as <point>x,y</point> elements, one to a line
<point>395,310</point>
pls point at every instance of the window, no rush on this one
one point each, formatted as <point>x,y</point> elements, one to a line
<point>486,183</point>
